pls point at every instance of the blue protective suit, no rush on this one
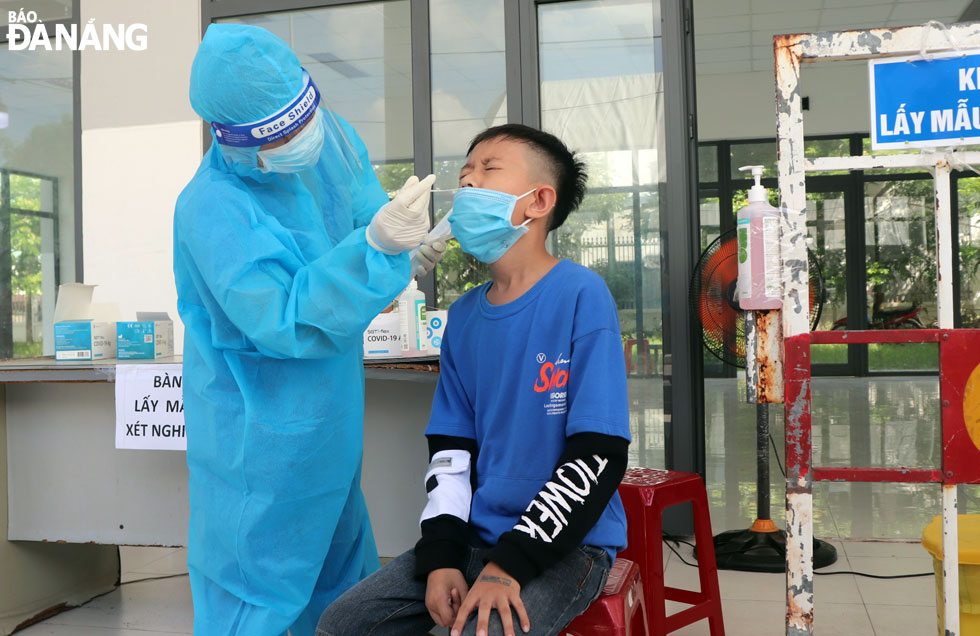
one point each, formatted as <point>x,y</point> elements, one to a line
<point>275,285</point>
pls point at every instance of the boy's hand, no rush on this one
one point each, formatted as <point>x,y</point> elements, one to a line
<point>445,590</point>
<point>494,589</point>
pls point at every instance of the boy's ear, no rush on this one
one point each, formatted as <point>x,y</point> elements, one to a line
<point>542,202</point>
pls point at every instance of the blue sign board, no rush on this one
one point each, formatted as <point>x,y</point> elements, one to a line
<point>923,103</point>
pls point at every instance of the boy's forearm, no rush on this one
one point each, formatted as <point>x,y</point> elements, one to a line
<point>443,545</point>
<point>444,536</point>
<point>568,506</point>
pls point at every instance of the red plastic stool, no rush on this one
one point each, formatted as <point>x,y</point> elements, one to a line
<point>645,493</point>
<point>619,610</point>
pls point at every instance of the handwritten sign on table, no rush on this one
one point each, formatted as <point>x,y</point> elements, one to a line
<point>150,407</point>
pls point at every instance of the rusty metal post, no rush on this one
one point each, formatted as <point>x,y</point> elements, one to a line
<point>944,267</point>
<point>769,356</point>
<point>944,243</point>
<point>751,365</point>
<point>790,52</point>
<point>795,312</point>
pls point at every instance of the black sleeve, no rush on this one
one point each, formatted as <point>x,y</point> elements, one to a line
<point>566,508</point>
<point>444,538</point>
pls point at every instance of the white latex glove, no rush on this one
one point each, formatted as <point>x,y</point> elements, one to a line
<point>431,251</point>
<point>401,223</point>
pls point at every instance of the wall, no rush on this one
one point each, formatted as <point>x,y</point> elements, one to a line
<point>743,105</point>
<point>141,143</point>
<point>37,576</point>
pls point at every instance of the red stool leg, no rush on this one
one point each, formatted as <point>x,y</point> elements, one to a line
<point>653,572</point>
<point>707,565</point>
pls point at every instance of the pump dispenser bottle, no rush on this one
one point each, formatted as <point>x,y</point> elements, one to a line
<point>412,322</point>
<point>759,269</point>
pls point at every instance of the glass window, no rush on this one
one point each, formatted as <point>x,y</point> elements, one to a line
<point>469,95</point>
<point>37,202</point>
<point>868,151</point>
<point>900,238</point>
<point>708,163</point>
<point>969,242</point>
<point>762,153</point>
<point>814,148</point>
<point>710,206</point>
<point>602,93</point>
<point>360,57</point>
<point>825,226</point>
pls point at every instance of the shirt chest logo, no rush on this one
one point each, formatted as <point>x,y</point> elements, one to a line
<point>552,381</point>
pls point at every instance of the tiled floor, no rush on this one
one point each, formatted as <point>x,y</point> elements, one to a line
<point>860,422</point>
<point>846,605</point>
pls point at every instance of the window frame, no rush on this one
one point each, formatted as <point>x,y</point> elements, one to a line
<point>6,308</point>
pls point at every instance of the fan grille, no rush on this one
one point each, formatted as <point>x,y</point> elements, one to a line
<point>712,297</point>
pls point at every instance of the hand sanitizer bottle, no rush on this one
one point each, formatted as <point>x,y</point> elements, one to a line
<point>759,265</point>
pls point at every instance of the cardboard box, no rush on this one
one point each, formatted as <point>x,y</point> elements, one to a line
<point>437,325</point>
<point>382,340</point>
<point>83,330</point>
<point>149,337</point>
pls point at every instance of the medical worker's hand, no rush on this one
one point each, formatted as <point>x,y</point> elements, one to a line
<point>431,251</point>
<point>494,589</point>
<point>401,223</point>
<point>445,590</point>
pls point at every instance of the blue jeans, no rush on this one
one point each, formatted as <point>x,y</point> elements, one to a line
<point>391,602</point>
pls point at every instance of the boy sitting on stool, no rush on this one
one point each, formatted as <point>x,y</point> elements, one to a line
<point>529,430</point>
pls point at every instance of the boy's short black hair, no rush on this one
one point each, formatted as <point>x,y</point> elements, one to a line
<point>566,169</point>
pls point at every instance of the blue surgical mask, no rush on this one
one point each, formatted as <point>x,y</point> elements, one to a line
<point>481,222</point>
<point>299,153</point>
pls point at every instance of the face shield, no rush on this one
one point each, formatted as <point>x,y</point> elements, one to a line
<point>240,143</point>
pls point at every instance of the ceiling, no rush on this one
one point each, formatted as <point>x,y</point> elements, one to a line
<point>735,36</point>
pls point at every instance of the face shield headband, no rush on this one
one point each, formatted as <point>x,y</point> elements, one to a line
<point>274,127</point>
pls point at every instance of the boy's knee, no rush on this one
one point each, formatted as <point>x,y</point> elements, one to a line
<point>330,623</point>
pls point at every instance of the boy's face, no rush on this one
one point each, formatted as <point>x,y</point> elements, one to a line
<point>509,166</point>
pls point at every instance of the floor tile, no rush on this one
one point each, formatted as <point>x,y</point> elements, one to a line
<point>891,619</point>
<point>886,549</point>
<point>751,618</point>
<point>919,591</point>
<point>762,586</point>
<point>53,629</point>
<point>163,606</point>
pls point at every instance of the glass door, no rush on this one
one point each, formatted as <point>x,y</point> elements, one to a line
<point>360,56</point>
<point>900,249</point>
<point>827,208</point>
<point>600,88</point>
<point>968,234</point>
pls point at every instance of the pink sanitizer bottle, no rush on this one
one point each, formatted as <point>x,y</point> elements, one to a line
<point>757,225</point>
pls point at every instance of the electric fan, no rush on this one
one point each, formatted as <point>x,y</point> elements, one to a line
<point>714,302</point>
<point>762,547</point>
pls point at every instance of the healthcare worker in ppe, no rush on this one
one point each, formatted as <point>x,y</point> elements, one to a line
<point>285,248</point>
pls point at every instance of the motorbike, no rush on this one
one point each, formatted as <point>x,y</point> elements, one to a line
<point>898,315</point>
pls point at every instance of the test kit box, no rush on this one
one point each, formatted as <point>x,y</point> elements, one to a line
<point>82,330</point>
<point>149,337</point>
<point>382,338</point>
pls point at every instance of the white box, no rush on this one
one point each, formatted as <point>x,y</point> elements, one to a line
<point>149,337</point>
<point>83,330</point>
<point>382,339</point>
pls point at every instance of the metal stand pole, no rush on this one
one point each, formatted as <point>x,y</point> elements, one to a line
<point>762,461</point>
